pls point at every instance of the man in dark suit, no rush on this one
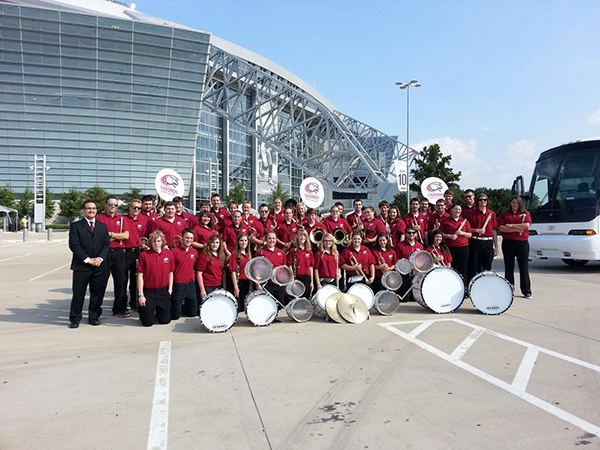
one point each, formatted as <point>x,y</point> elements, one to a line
<point>89,241</point>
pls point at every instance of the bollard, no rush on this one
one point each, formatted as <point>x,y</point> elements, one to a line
<point>49,234</point>
<point>1,234</point>
<point>25,234</point>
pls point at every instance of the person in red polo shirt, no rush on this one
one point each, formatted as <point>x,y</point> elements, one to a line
<point>276,214</point>
<point>415,219</point>
<point>385,258</point>
<point>439,249</point>
<point>336,221</point>
<point>300,259</point>
<point>449,200</point>
<point>356,216</point>
<point>456,232</point>
<point>116,256</point>
<point>357,258</point>
<point>184,298</point>
<point>237,265</point>
<point>327,266</point>
<point>483,245</point>
<point>210,267</point>
<point>148,207</point>
<point>469,204</point>
<point>403,250</point>
<point>437,217</point>
<point>287,230</point>
<point>190,220</point>
<point>204,231</point>
<point>137,225</point>
<point>277,258</point>
<point>169,224</point>
<point>514,225</point>
<point>220,215</point>
<point>266,223</point>
<point>231,233</point>
<point>155,281</point>
<point>371,227</point>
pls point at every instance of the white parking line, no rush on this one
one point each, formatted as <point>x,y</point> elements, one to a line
<point>15,257</point>
<point>159,422</point>
<point>48,273</point>
<point>521,379</point>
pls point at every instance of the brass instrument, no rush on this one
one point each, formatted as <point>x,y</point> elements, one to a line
<point>316,235</point>
<point>341,237</point>
<point>355,262</point>
<point>143,243</point>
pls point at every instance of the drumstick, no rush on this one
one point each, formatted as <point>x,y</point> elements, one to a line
<point>485,224</point>
<point>461,226</point>
<point>522,221</point>
<point>359,268</point>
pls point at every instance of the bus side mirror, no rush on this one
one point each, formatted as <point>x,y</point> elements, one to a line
<point>517,186</point>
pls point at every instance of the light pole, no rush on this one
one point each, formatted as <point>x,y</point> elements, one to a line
<point>407,86</point>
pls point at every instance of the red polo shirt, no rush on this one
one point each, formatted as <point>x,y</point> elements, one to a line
<point>404,249</point>
<point>397,230</point>
<point>449,226</point>
<point>231,233</point>
<point>363,255</point>
<point>267,225</point>
<point>325,264</point>
<point>156,268</point>
<point>435,220</point>
<point>276,255</point>
<point>436,251</point>
<point>190,220</point>
<point>277,217</point>
<point>373,228</point>
<point>510,217</point>
<point>287,231</point>
<point>233,264</point>
<point>114,224</point>
<point>388,256</point>
<point>202,234</point>
<point>466,211</point>
<point>477,218</point>
<point>304,260</point>
<point>331,224</point>
<point>353,220</point>
<point>420,220</point>
<point>137,228</point>
<point>221,218</point>
<point>185,261</point>
<point>168,228</point>
<point>212,273</point>
<point>150,216</point>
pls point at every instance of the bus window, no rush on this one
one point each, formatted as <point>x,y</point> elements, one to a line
<point>577,181</point>
<point>543,180</point>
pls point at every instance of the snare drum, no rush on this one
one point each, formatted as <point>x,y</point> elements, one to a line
<point>282,275</point>
<point>218,311</point>
<point>403,266</point>
<point>386,302</point>
<point>259,269</point>
<point>295,289</point>
<point>441,290</point>
<point>391,280</point>
<point>364,292</point>
<point>319,300</point>
<point>490,293</point>
<point>261,308</point>
<point>300,310</point>
<point>422,261</point>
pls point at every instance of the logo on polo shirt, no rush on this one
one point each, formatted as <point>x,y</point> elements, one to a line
<point>118,222</point>
<point>166,259</point>
<point>192,256</point>
<point>364,252</point>
<point>179,223</point>
<point>139,225</point>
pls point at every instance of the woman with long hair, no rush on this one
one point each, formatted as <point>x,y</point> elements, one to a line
<point>277,258</point>
<point>237,263</point>
<point>327,269</point>
<point>204,230</point>
<point>358,262</point>
<point>514,225</point>
<point>210,267</point>
<point>439,249</point>
<point>385,257</point>
<point>300,259</point>
<point>456,232</point>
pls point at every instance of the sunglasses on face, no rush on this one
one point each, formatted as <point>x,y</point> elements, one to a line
<point>137,208</point>
<point>483,200</point>
<point>112,204</point>
<point>410,232</point>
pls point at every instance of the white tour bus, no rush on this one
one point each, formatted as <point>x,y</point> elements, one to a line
<point>564,203</point>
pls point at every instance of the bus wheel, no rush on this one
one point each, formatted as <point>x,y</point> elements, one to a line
<point>575,262</point>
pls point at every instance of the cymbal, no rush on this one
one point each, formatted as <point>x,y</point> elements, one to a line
<point>331,306</point>
<point>352,308</point>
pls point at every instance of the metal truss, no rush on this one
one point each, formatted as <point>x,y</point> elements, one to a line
<point>343,153</point>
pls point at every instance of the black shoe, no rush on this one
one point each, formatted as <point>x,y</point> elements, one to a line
<point>74,325</point>
<point>277,320</point>
<point>94,322</point>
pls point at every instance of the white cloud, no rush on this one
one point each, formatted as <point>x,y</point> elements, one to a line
<point>463,153</point>
<point>594,118</point>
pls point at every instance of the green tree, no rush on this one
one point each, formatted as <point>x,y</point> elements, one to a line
<point>70,204</point>
<point>237,193</point>
<point>25,203</point>
<point>498,199</point>
<point>7,196</point>
<point>126,198</point>
<point>432,163</point>
<point>400,202</point>
<point>276,192</point>
<point>97,194</point>
<point>49,204</point>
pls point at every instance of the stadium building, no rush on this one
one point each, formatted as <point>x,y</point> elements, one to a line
<point>109,96</point>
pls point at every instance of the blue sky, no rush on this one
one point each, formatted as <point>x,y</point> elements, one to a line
<point>502,81</point>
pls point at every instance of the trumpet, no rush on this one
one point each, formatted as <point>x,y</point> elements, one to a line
<point>340,237</point>
<point>316,235</point>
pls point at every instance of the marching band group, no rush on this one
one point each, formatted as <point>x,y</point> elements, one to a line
<point>172,259</point>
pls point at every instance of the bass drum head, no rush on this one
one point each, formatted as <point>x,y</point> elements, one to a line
<point>490,293</point>
<point>218,311</point>
<point>403,266</point>
<point>261,309</point>
<point>391,280</point>
<point>282,275</point>
<point>441,289</point>
<point>386,302</point>
<point>319,300</point>
<point>300,310</point>
<point>295,288</point>
<point>259,269</point>
<point>422,261</point>
<point>364,292</point>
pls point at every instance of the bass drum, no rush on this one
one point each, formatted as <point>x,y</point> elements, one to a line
<point>490,293</point>
<point>422,261</point>
<point>386,302</point>
<point>441,290</point>
<point>300,310</point>
<point>364,292</point>
<point>261,308</point>
<point>218,311</point>
<point>319,300</point>
<point>391,280</point>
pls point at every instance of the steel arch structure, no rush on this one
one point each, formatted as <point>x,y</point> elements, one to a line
<point>345,154</point>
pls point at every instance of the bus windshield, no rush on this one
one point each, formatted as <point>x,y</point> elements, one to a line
<point>564,188</point>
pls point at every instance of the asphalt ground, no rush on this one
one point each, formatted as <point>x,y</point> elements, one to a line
<point>528,378</point>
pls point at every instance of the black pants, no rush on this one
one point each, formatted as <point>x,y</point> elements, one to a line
<point>481,255</point>
<point>520,250</point>
<point>96,279</point>
<point>116,262</point>
<point>460,261</point>
<point>377,285</point>
<point>305,279</point>
<point>131,259</point>
<point>244,287</point>
<point>158,307</point>
<point>184,299</point>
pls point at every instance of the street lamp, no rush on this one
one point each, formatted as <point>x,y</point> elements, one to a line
<point>407,86</point>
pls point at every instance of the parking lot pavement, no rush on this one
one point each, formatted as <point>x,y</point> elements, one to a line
<point>411,380</point>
